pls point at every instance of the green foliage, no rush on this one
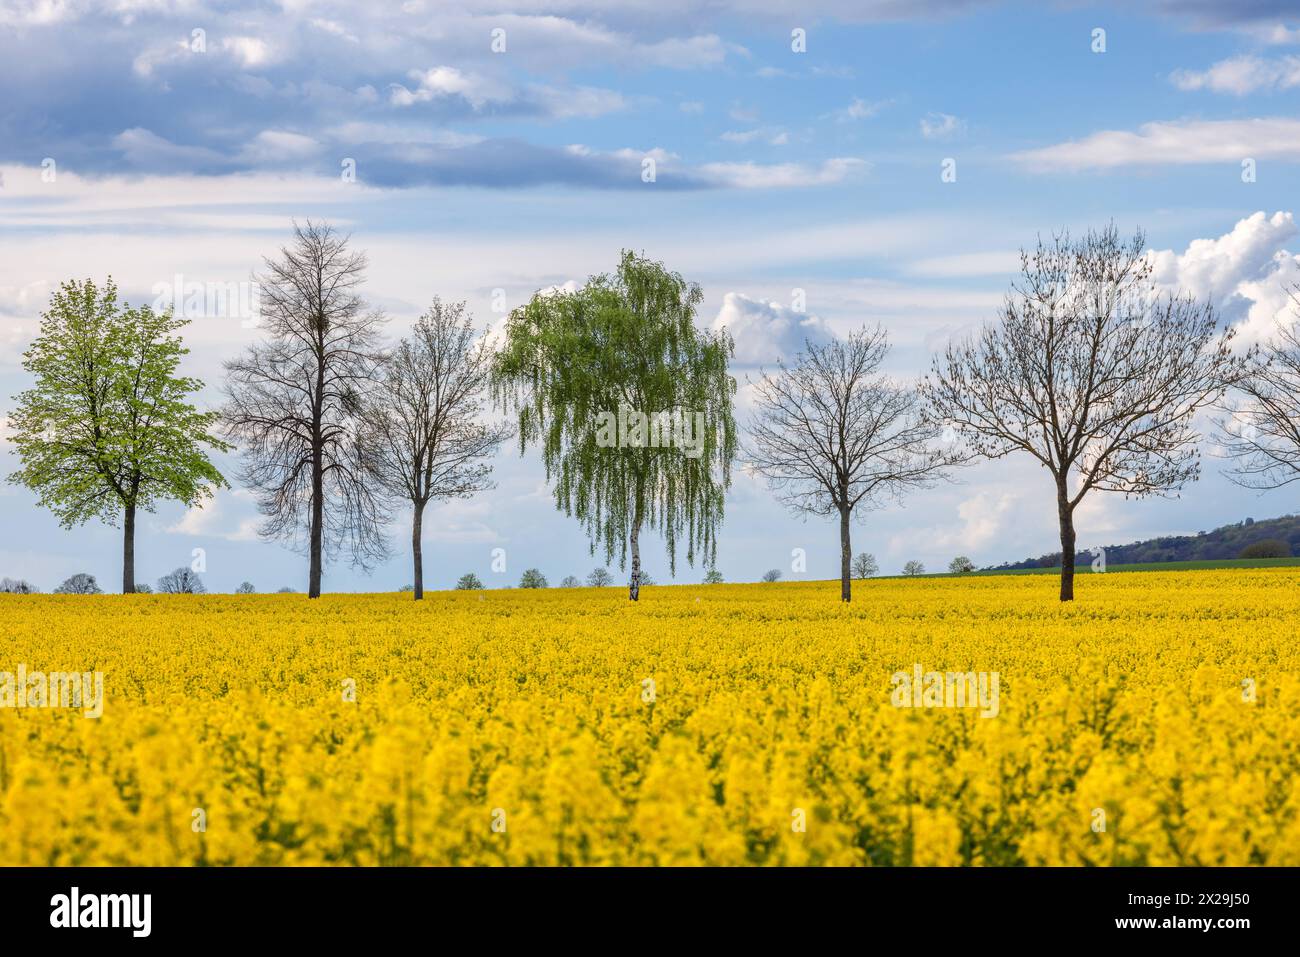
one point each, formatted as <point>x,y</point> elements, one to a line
<point>625,341</point>
<point>600,578</point>
<point>532,578</point>
<point>108,424</point>
<point>713,577</point>
<point>469,582</point>
<point>1266,548</point>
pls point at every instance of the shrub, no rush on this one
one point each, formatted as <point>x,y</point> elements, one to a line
<point>1266,548</point>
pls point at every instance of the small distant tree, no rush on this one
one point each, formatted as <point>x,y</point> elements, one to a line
<point>1092,372</point>
<point>913,568</point>
<point>286,590</point>
<point>864,566</point>
<point>183,581</point>
<point>1266,548</point>
<point>713,577</point>
<point>834,435</point>
<point>647,578</point>
<point>961,565</point>
<point>578,367</point>
<point>772,575</point>
<point>143,588</point>
<point>571,581</point>
<point>79,584</point>
<point>405,588</point>
<point>16,586</point>
<point>469,582</point>
<point>108,428</point>
<point>601,578</point>
<point>246,588</point>
<point>532,578</point>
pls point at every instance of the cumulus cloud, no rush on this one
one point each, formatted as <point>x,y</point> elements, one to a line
<point>1241,75</point>
<point>1174,142</point>
<point>1248,273</point>
<point>767,331</point>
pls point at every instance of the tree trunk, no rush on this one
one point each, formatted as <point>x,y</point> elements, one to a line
<point>128,551</point>
<point>317,525</point>
<point>1065,513</point>
<point>846,558</point>
<point>417,532</point>
<point>634,586</point>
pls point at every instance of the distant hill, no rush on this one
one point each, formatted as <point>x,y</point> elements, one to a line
<point>1225,542</point>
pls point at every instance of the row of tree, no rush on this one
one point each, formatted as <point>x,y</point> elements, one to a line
<point>1087,367</point>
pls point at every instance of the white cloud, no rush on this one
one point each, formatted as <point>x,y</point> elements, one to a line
<point>210,519</point>
<point>767,331</point>
<point>941,126</point>
<point>779,175</point>
<point>770,136</point>
<point>249,52</point>
<point>1241,75</point>
<point>1173,142</point>
<point>1247,272</point>
<point>860,109</point>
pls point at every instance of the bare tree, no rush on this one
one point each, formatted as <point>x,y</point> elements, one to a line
<point>832,434</point>
<point>1264,433</point>
<point>295,402</point>
<point>182,581</point>
<point>423,438</point>
<point>1090,370</point>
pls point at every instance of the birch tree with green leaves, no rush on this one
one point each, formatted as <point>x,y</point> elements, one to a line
<point>108,429</point>
<point>631,406</point>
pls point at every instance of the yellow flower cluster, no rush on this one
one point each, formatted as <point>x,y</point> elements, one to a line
<point>1156,720</point>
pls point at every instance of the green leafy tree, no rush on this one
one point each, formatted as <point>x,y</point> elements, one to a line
<point>631,404</point>
<point>601,578</point>
<point>532,578</point>
<point>864,566</point>
<point>469,582</point>
<point>108,428</point>
<point>713,577</point>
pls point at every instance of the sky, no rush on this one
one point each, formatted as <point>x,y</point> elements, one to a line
<point>815,167</point>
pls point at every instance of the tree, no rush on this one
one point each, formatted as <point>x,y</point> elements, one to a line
<point>1266,548</point>
<point>246,588</point>
<point>832,435</point>
<point>532,578</point>
<point>600,578</point>
<point>142,588</point>
<point>286,590</point>
<point>571,581</point>
<point>631,405</point>
<point>961,565</point>
<point>1264,435</point>
<point>864,566</point>
<point>108,429</point>
<point>772,575</point>
<point>295,401</point>
<point>79,584</point>
<point>469,582</point>
<point>647,579</point>
<point>405,588</point>
<point>913,568</point>
<point>423,438</point>
<point>1091,372</point>
<point>16,586</point>
<point>713,577</point>
<point>182,581</point>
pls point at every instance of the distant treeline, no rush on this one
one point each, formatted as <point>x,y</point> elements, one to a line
<point>1226,542</point>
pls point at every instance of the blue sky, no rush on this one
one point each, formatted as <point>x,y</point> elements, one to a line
<point>178,153</point>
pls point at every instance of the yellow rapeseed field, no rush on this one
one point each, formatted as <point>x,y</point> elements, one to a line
<point>1156,721</point>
